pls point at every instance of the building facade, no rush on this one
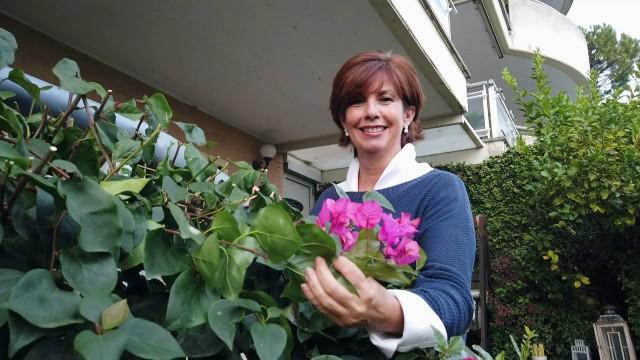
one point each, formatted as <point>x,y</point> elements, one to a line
<point>251,72</point>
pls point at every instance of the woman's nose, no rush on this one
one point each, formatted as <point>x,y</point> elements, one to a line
<point>371,110</point>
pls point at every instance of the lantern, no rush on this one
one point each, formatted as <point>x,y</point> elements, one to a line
<point>612,336</point>
<point>580,351</point>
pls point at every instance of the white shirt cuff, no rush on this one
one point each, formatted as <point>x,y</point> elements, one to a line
<point>419,321</point>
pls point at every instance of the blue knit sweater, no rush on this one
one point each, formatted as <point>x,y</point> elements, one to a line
<point>446,234</point>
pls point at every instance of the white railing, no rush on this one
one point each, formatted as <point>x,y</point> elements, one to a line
<point>488,114</point>
<point>441,10</point>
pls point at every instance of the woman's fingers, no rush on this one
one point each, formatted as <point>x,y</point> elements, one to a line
<point>331,286</point>
<point>318,296</point>
<point>353,274</point>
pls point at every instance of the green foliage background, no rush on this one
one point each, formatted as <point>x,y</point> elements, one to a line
<point>574,193</point>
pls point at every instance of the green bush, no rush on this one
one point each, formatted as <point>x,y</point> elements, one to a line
<point>562,216</point>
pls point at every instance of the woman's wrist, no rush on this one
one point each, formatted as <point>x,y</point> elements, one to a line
<point>387,315</point>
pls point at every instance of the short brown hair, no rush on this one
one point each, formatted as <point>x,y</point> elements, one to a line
<point>364,74</point>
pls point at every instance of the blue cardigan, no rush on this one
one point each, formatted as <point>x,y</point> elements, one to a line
<point>447,236</point>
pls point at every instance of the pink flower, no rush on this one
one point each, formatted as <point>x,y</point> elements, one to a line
<point>368,215</point>
<point>408,227</point>
<point>341,212</point>
<point>325,213</point>
<point>407,252</point>
<point>389,231</point>
<point>348,239</point>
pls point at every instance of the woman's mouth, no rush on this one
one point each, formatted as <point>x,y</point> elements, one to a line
<point>372,129</point>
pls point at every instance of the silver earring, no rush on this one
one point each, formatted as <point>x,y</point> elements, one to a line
<point>406,129</point>
<point>346,133</point>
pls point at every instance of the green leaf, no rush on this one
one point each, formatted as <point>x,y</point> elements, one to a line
<point>8,48</point>
<point>126,148</point>
<point>316,242</point>
<point>130,110</point>
<point>276,233</point>
<point>6,94</point>
<point>37,299</point>
<point>159,110</point>
<point>114,315</point>
<point>225,225</point>
<point>68,72</point>
<point>196,162</point>
<point>186,308</point>
<point>186,230</point>
<point>269,339</point>
<point>22,333</point>
<point>66,166</point>
<point>456,345</point>
<point>110,345</point>
<point>96,213</point>
<point>233,267</point>
<point>53,349</point>
<point>91,307</point>
<point>8,152</point>
<point>8,279</point>
<point>199,341</point>
<point>192,133</point>
<point>88,163</point>
<point>175,192</point>
<point>149,340</point>
<point>326,357</point>
<point>161,257</point>
<point>129,185</point>
<point>89,273</point>
<point>389,273</point>
<point>18,77</point>
<point>13,122</point>
<point>207,258</point>
<point>224,315</point>
<point>379,198</point>
<point>134,225</point>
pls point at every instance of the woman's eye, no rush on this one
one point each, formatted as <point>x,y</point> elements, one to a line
<point>357,101</point>
<point>386,99</point>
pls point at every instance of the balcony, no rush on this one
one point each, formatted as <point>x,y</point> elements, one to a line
<point>488,113</point>
<point>494,34</point>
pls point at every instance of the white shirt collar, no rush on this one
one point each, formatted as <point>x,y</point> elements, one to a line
<point>402,168</point>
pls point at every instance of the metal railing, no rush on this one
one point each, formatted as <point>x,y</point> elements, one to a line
<point>488,113</point>
<point>504,6</point>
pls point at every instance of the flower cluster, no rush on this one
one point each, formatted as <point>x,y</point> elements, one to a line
<point>347,217</point>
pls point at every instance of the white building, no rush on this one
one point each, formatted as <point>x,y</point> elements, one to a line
<point>260,71</point>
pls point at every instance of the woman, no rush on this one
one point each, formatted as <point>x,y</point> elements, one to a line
<point>375,101</point>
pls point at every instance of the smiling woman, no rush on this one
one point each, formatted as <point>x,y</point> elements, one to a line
<point>376,101</point>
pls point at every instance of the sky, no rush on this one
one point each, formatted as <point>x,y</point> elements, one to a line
<point>623,15</point>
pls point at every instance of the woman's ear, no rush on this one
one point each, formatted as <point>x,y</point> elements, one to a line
<point>409,114</point>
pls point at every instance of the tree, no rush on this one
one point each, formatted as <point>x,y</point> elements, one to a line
<point>614,59</point>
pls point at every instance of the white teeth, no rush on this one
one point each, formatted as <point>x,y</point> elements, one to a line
<point>373,129</point>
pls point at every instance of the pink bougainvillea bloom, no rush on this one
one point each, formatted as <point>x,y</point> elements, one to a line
<point>389,231</point>
<point>407,226</point>
<point>407,252</point>
<point>368,215</point>
<point>325,213</point>
<point>340,215</point>
<point>348,239</point>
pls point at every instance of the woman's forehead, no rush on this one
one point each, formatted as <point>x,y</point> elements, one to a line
<point>379,83</point>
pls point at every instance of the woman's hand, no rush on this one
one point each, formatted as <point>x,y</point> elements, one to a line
<point>373,307</point>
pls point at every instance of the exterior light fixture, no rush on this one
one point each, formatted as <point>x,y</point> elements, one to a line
<point>267,152</point>
<point>580,351</point>
<point>612,336</point>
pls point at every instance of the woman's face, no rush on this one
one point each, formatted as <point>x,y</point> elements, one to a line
<point>375,123</point>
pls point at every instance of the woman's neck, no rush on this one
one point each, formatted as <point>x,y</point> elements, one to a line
<point>371,168</point>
